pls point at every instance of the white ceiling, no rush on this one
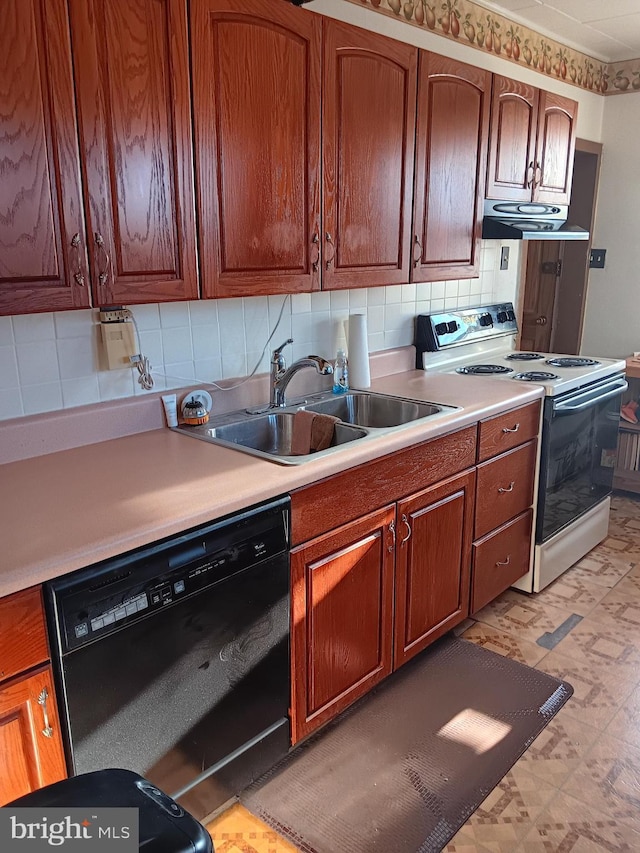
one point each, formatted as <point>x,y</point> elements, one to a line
<point>608,30</point>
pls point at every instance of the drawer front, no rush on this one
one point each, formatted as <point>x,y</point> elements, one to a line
<point>23,638</point>
<point>504,487</point>
<point>500,559</point>
<point>508,430</point>
<point>368,487</point>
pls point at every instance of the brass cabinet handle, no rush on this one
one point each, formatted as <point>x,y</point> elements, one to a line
<point>417,243</point>
<point>531,180</point>
<point>511,429</point>
<point>509,489</point>
<point>504,562</point>
<point>315,241</point>
<point>103,275</point>
<point>538,181</point>
<point>47,731</point>
<point>329,240</point>
<point>392,531</point>
<point>409,531</point>
<point>78,274</point>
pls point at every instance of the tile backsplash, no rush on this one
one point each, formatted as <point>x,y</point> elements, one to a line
<point>53,361</point>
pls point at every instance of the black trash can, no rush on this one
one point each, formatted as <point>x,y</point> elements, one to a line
<point>164,825</point>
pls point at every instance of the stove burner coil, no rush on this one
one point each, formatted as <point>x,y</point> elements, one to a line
<point>572,362</point>
<point>524,356</point>
<point>484,369</point>
<point>536,376</point>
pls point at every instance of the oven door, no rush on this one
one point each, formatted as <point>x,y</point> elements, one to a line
<point>579,441</point>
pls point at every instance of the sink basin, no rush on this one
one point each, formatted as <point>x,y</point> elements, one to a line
<point>374,410</point>
<point>268,435</point>
<point>363,415</point>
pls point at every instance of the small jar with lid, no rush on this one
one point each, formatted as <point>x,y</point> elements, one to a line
<point>194,412</point>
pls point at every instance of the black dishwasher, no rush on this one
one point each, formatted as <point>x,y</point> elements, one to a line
<point>173,660</point>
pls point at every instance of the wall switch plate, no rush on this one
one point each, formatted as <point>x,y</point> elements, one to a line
<point>596,259</point>
<point>504,258</point>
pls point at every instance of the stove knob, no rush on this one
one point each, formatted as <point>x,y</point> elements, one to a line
<point>452,327</point>
<point>502,317</point>
<point>511,315</point>
<point>441,329</point>
<point>486,320</point>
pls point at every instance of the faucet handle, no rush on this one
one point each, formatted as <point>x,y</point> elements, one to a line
<point>275,355</point>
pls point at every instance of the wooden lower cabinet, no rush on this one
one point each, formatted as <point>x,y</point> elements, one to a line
<point>31,751</point>
<point>342,611</point>
<point>432,564</point>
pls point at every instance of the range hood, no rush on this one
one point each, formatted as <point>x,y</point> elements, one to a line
<point>513,220</point>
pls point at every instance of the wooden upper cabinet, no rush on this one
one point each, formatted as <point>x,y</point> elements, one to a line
<point>531,145</point>
<point>451,148</point>
<point>256,77</point>
<point>555,148</point>
<point>368,130</point>
<point>132,80</point>
<point>43,258</point>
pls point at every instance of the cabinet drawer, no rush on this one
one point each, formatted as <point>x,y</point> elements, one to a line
<point>508,430</point>
<point>500,559</point>
<point>23,638</point>
<point>504,487</point>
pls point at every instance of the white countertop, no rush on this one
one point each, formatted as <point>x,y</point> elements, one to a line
<point>66,510</point>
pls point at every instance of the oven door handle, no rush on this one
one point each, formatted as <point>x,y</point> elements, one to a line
<point>591,398</point>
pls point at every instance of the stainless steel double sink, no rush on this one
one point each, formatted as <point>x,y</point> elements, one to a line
<point>363,416</point>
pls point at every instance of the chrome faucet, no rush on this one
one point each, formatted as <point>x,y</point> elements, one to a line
<point>281,375</point>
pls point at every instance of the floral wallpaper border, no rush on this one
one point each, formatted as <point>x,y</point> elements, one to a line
<point>476,26</point>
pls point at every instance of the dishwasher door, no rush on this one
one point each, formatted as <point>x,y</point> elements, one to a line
<point>187,685</point>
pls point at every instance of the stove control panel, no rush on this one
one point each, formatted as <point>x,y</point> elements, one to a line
<point>455,328</point>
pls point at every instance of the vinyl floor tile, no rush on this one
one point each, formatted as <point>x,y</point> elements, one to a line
<point>598,692</point>
<point>573,593</point>
<point>603,644</point>
<point>504,644</point>
<point>238,831</point>
<point>523,616</point>
<point>559,749</point>
<point>602,567</point>
<point>621,611</point>
<point>567,826</point>
<point>608,779</point>
<point>625,724</point>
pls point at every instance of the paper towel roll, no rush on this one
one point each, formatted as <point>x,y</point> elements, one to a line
<point>359,375</point>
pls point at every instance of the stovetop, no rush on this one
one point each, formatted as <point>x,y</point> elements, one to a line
<point>480,342</point>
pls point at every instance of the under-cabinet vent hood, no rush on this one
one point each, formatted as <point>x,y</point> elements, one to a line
<point>513,220</point>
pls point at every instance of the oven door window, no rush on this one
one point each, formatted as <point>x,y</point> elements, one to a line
<point>577,460</point>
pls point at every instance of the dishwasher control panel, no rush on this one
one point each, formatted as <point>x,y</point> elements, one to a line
<point>128,589</point>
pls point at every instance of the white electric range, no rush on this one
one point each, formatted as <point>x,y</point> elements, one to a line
<point>579,425</point>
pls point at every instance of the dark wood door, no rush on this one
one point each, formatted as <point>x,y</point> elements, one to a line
<point>132,79</point>
<point>341,632</point>
<point>30,739</point>
<point>557,117</point>
<point>43,252</point>
<point>368,132</point>
<point>451,148</point>
<point>543,274</point>
<point>433,564</point>
<point>512,139</point>
<point>257,73</point>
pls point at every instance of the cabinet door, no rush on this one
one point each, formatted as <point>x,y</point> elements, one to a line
<point>368,130</point>
<point>512,139</point>
<point>43,261</point>
<point>557,117</point>
<point>30,739</point>
<point>256,75</point>
<point>433,563</point>
<point>341,635</point>
<point>451,149</point>
<point>132,78</point>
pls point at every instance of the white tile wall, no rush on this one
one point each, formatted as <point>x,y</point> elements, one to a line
<point>52,361</point>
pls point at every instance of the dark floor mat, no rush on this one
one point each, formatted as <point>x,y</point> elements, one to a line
<point>405,767</point>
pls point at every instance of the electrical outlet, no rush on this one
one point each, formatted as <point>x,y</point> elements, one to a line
<point>596,258</point>
<point>504,258</point>
<point>119,344</point>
